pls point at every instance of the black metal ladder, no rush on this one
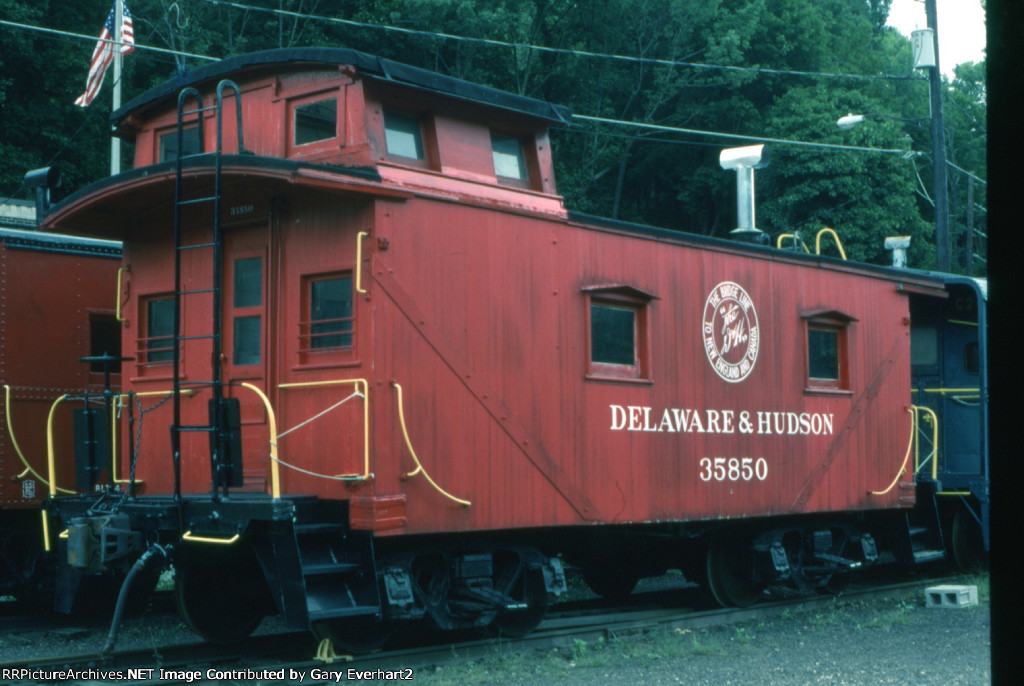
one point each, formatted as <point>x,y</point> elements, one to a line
<point>223,423</point>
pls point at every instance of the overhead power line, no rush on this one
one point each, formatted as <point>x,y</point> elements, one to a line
<point>544,48</point>
<point>93,40</point>
<point>742,137</point>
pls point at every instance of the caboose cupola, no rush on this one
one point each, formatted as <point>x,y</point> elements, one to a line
<point>341,108</point>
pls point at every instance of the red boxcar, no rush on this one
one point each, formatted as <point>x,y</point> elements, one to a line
<point>58,305</point>
<point>405,334</point>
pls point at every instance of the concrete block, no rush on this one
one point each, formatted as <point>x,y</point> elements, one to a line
<point>950,596</point>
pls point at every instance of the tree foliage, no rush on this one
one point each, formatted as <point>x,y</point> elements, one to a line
<point>774,68</point>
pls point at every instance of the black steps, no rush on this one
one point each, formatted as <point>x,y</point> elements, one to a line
<point>338,571</point>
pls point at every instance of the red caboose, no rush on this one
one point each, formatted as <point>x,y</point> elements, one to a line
<point>401,378</point>
<point>58,306</point>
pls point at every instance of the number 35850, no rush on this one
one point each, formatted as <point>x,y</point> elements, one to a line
<point>733,469</point>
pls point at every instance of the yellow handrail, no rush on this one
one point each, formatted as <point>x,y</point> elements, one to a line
<point>778,241</point>
<point>935,439</point>
<point>359,261</point>
<point>363,387</point>
<point>189,536</point>
<point>903,467</point>
<point>17,449</point>
<point>419,467</point>
<point>835,237</point>
<point>275,475</point>
<point>117,301</point>
<point>51,461</point>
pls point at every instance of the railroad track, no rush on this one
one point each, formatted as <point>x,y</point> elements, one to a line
<point>278,655</point>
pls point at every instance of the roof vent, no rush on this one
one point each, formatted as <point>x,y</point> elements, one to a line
<point>898,245</point>
<point>745,160</point>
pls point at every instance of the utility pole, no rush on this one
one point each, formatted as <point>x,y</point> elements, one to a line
<point>940,185</point>
<point>115,142</point>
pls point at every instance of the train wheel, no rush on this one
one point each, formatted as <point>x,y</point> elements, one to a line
<point>731,574</point>
<point>220,592</point>
<point>357,635</point>
<point>518,623</point>
<point>968,545</point>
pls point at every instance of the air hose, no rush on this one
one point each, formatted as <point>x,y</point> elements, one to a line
<point>155,552</point>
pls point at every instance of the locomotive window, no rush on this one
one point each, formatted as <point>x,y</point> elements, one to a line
<point>924,345</point>
<point>316,121</point>
<point>169,143</point>
<point>158,345</point>
<point>509,161</point>
<point>403,135</point>
<point>330,314</point>
<point>971,362</point>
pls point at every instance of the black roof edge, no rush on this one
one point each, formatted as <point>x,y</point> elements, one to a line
<point>368,64</point>
<point>254,161</point>
<point>674,235</point>
<point>43,241</point>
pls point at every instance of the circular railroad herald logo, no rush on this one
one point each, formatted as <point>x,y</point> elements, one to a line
<point>731,334</point>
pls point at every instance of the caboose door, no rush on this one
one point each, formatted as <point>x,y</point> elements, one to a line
<point>246,341</point>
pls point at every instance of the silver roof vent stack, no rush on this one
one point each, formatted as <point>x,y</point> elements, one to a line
<point>745,160</point>
<point>898,245</point>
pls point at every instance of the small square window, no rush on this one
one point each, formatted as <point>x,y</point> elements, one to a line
<point>169,144</point>
<point>617,336</point>
<point>316,121</point>
<point>403,135</point>
<point>827,360</point>
<point>509,160</point>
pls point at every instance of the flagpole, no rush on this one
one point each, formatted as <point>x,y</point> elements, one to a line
<point>115,142</point>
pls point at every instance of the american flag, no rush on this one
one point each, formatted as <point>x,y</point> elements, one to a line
<point>103,55</point>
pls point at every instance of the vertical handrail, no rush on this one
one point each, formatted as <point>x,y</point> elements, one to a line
<point>359,261</point>
<point>934,457</point>
<point>17,448</point>
<point>275,476</point>
<point>51,460</point>
<point>419,466</point>
<point>117,302</point>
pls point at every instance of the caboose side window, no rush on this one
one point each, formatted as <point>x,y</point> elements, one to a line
<point>403,135</point>
<point>328,323</point>
<point>823,354</point>
<point>169,143</point>
<point>612,334</point>
<point>157,347</point>
<point>617,334</point>
<point>316,121</point>
<point>509,160</point>
<point>827,359</point>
